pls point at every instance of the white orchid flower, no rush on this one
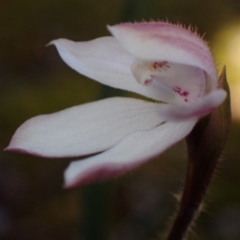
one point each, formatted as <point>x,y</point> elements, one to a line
<point>164,62</point>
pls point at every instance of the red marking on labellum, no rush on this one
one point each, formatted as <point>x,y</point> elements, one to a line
<point>182,93</point>
<point>161,65</point>
<point>147,81</point>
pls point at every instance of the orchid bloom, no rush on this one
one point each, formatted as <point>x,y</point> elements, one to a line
<point>164,62</point>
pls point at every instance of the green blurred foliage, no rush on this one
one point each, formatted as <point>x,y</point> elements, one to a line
<point>34,80</point>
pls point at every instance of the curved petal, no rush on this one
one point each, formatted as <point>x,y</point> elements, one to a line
<point>106,61</point>
<point>84,129</point>
<point>196,110</point>
<point>181,83</point>
<point>129,153</point>
<point>159,41</point>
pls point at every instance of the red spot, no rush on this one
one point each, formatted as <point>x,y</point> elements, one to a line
<point>161,65</point>
<point>185,94</point>
<point>181,92</point>
<point>147,81</point>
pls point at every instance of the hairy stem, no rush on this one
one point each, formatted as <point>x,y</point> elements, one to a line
<point>205,144</point>
<point>199,175</point>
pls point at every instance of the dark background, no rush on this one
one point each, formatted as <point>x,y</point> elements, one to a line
<point>34,80</point>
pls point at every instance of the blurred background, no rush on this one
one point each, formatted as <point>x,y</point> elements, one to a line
<point>34,80</point>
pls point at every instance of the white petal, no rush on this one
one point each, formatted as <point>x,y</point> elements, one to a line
<point>84,129</point>
<point>106,61</point>
<point>205,106</point>
<point>129,153</point>
<point>158,41</point>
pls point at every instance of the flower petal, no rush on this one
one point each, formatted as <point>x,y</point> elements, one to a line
<point>106,61</point>
<point>159,41</point>
<point>129,153</point>
<point>196,110</point>
<point>181,83</point>
<point>84,129</point>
